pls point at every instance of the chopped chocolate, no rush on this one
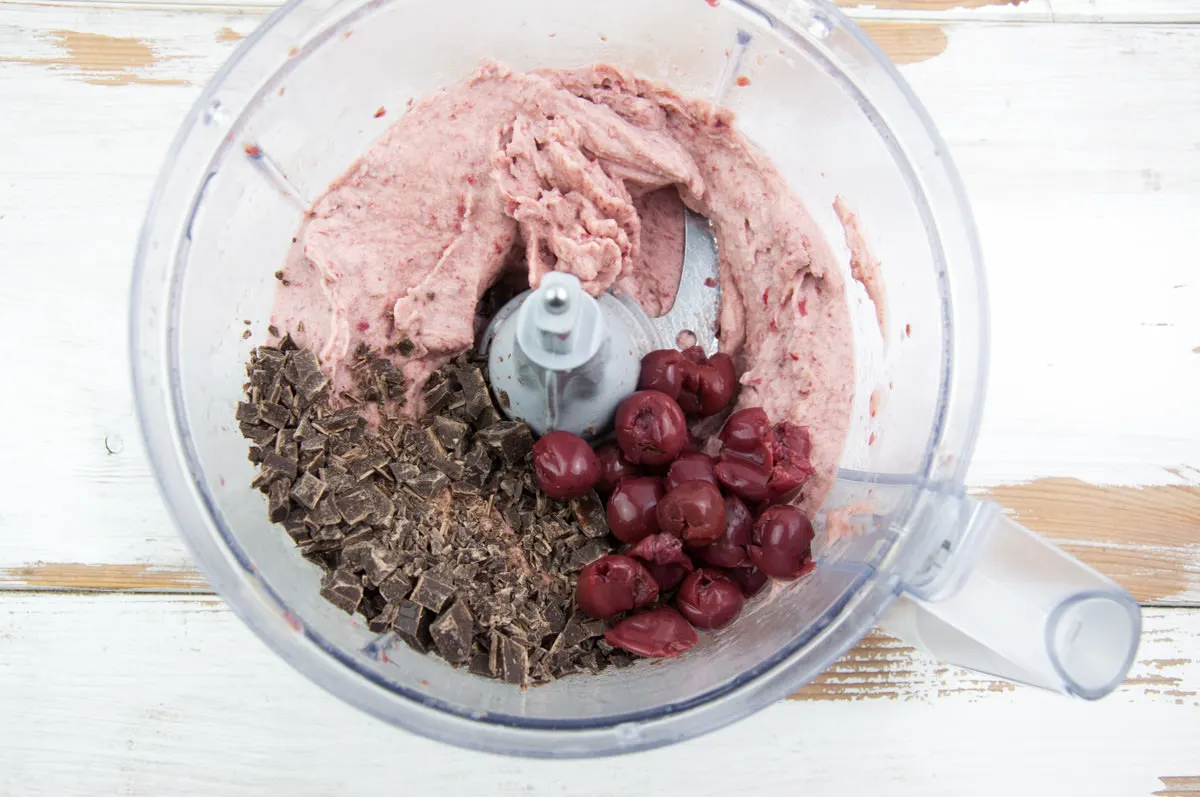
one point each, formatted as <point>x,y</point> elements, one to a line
<point>277,500</point>
<point>259,434</point>
<point>428,484</point>
<point>339,421</point>
<point>344,590</point>
<point>395,588</point>
<point>324,513</point>
<point>412,625</point>
<point>483,576</point>
<point>475,391</point>
<point>449,431</point>
<point>385,618</point>
<point>304,372</point>
<point>354,506</point>
<point>438,396</point>
<point>590,552</point>
<point>481,664</point>
<point>512,440</point>
<point>246,412</point>
<point>589,514</point>
<point>308,490</point>
<point>512,659</point>
<point>328,534</point>
<point>381,562</point>
<point>452,632</point>
<point>432,592</point>
<point>275,415</point>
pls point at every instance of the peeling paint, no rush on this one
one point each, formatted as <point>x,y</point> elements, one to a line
<point>907,42</point>
<point>101,60</point>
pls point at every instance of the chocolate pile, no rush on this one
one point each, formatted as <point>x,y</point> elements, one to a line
<point>435,531</point>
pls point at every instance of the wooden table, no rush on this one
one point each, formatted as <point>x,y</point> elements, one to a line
<point>1076,125</point>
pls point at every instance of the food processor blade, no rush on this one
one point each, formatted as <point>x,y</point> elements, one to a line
<point>559,359</point>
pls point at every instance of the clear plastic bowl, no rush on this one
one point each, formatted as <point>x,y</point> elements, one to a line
<point>822,101</point>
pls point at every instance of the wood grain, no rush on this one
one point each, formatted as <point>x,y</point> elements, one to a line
<point>907,42</point>
<point>102,578</point>
<point>99,59</point>
<point>1179,786</point>
<point>1145,538</point>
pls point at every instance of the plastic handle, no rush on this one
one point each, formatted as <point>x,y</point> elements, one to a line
<point>1001,600</point>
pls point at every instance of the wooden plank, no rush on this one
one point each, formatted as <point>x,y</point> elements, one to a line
<point>1094,367</point>
<point>1144,538</point>
<point>1147,538</point>
<point>151,695</point>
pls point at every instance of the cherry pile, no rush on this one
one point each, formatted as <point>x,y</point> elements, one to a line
<point>702,533</point>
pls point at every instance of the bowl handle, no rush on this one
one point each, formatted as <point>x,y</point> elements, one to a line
<point>997,598</point>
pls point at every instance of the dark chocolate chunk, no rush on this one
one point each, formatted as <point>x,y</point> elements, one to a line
<point>432,592</point>
<point>304,372</point>
<point>438,396</point>
<point>324,513</point>
<point>246,412</point>
<point>384,619</point>
<point>275,415</point>
<point>340,421</point>
<point>556,618</point>
<point>259,433</point>
<point>412,625</point>
<point>371,462</point>
<point>308,490</point>
<point>354,506</point>
<point>590,552</point>
<point>481,665</point>
<point>405,347</point>
<point>395,588</point>
<point>277,500</point>
<point>381,562</point>
<point>429,484</point>
<point>512,659</point>
<point>269,359</point>
<point>328,534</point>
<point>475,391</point>
<point>403,471</point>
<point>477,466</point>
<point>487,418</point>
<point>579,627</point>
<point>511,439</point>
<point>449,431</point>
<point>452,632</point>
<point>313,442</point>
<point>275,462</point>
<point>589,514</point>
<point>344,590</point>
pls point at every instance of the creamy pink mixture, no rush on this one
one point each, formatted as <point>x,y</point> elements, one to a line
<point>576,171</point>
<point>863,265</point>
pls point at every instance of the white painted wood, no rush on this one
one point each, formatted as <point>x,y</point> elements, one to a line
<point>1079,155</point>
<point>152,695</point>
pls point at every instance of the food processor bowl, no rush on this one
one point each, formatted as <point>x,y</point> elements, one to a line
<point>312,88</point>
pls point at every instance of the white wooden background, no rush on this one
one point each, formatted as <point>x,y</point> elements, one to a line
<point>1076,124</point>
